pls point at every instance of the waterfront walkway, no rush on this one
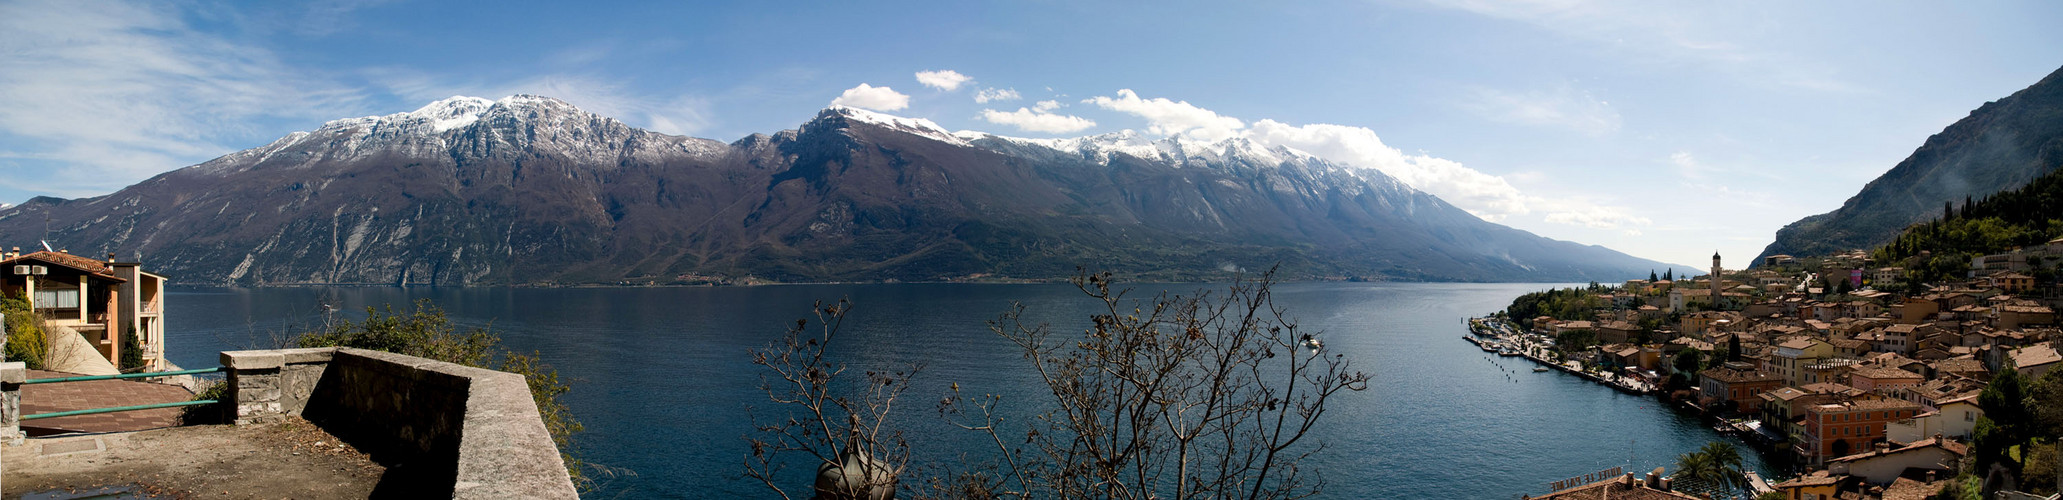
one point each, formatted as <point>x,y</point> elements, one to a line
<point>1506,336</point>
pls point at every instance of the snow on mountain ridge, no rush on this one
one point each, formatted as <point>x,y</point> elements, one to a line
<point>1177,150</point>
<point>918,126</point>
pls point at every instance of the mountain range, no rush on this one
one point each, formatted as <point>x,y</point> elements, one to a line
<point>2000,145</point>
<point>530,190</point>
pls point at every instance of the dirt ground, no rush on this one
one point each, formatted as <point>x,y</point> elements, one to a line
<point>292,459</point>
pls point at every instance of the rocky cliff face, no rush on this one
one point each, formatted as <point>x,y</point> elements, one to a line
<point>2001,145</point>
<point>530,190</point>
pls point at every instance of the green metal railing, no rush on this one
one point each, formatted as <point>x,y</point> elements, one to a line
<point>217,369</point>
<point>119,408</point>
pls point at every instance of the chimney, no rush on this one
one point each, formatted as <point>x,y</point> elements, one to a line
<point>1629,481</point>
<point>1665,484</point>
<point>1655,478</point>
<point>1930,476</point>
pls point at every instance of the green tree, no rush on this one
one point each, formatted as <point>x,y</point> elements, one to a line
<point>2005,419</point>
<point>1716,466</point>
<point>132,351</point>
<point>2046,403</point>
<point>25,340</point>
<point>1733,347</point>
<point>1575,340</point>
<point>1688,361</point>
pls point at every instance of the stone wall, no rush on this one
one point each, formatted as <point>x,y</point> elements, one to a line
<point>12,374</point>
<point>441,427</point>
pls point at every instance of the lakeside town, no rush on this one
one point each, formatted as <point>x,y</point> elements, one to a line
<point>1853,390</point>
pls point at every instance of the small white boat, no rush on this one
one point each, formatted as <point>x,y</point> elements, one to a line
<point>1538,369</point>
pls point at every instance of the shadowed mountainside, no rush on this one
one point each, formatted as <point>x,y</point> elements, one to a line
<point>2001,145</point>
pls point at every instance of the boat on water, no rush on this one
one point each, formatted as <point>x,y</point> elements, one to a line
<point>1507,352</point>
<point>1538,369</point>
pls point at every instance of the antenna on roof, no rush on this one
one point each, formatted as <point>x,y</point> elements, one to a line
<point>46,246</point>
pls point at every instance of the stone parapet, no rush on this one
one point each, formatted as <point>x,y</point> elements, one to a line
<point>12,374</point>
<point>472,432</point>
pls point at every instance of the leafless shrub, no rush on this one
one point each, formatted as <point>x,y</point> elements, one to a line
<point>1183,397</point>
<point>857,453</point>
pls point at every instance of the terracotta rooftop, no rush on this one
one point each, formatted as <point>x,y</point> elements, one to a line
<point>1817,478</point>
<point>2035,356</point>
<point>1907,489</point>
<point>1867,405</point>
<point>1733,376</point>
<point>82,264</point>
<point>1614,488</point>
<point>1829,388</point>
<point>1881,373</point>
<point>1945,444</point>
<point>1959,365</point>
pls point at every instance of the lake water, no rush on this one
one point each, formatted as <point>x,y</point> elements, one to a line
<point>662,379</point>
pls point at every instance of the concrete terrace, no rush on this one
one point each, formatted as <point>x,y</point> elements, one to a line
<point>291,459</point>
<point>309,423</point>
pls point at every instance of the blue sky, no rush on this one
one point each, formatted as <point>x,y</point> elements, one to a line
<point>1665,130</point>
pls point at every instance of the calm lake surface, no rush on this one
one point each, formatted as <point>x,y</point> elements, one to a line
<point>662,379</point>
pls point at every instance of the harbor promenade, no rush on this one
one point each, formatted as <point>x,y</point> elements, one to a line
<point>1506,340</point>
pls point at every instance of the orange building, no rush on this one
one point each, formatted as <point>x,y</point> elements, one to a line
<point>1738,382</point>
<point>102,300</point>
<point>1841,428</point>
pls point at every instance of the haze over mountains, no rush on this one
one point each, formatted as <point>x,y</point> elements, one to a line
<point>530,190</point>
<point>2000,145</point>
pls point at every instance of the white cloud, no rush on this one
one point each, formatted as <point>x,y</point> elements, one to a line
<point>1563,107</point>
<point>1487,196</point>
<point>1687,166</point>
<point>1167,117</point>
<point>986,95</point>
<point>1046,105</point>
<point>945,79</point>
<point>1037,121</point>
<point>872,97</point>
<point>104,94</point>
<point>1596,216</point>
<point>1673,35</point>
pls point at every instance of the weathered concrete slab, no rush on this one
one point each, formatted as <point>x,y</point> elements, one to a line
<point>292,459</point>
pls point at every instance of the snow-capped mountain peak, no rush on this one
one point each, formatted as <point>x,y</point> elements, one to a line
<point>917,126</point>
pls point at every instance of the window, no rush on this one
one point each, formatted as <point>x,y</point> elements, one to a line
<point>1967,416</point>
<point>57,299</point>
